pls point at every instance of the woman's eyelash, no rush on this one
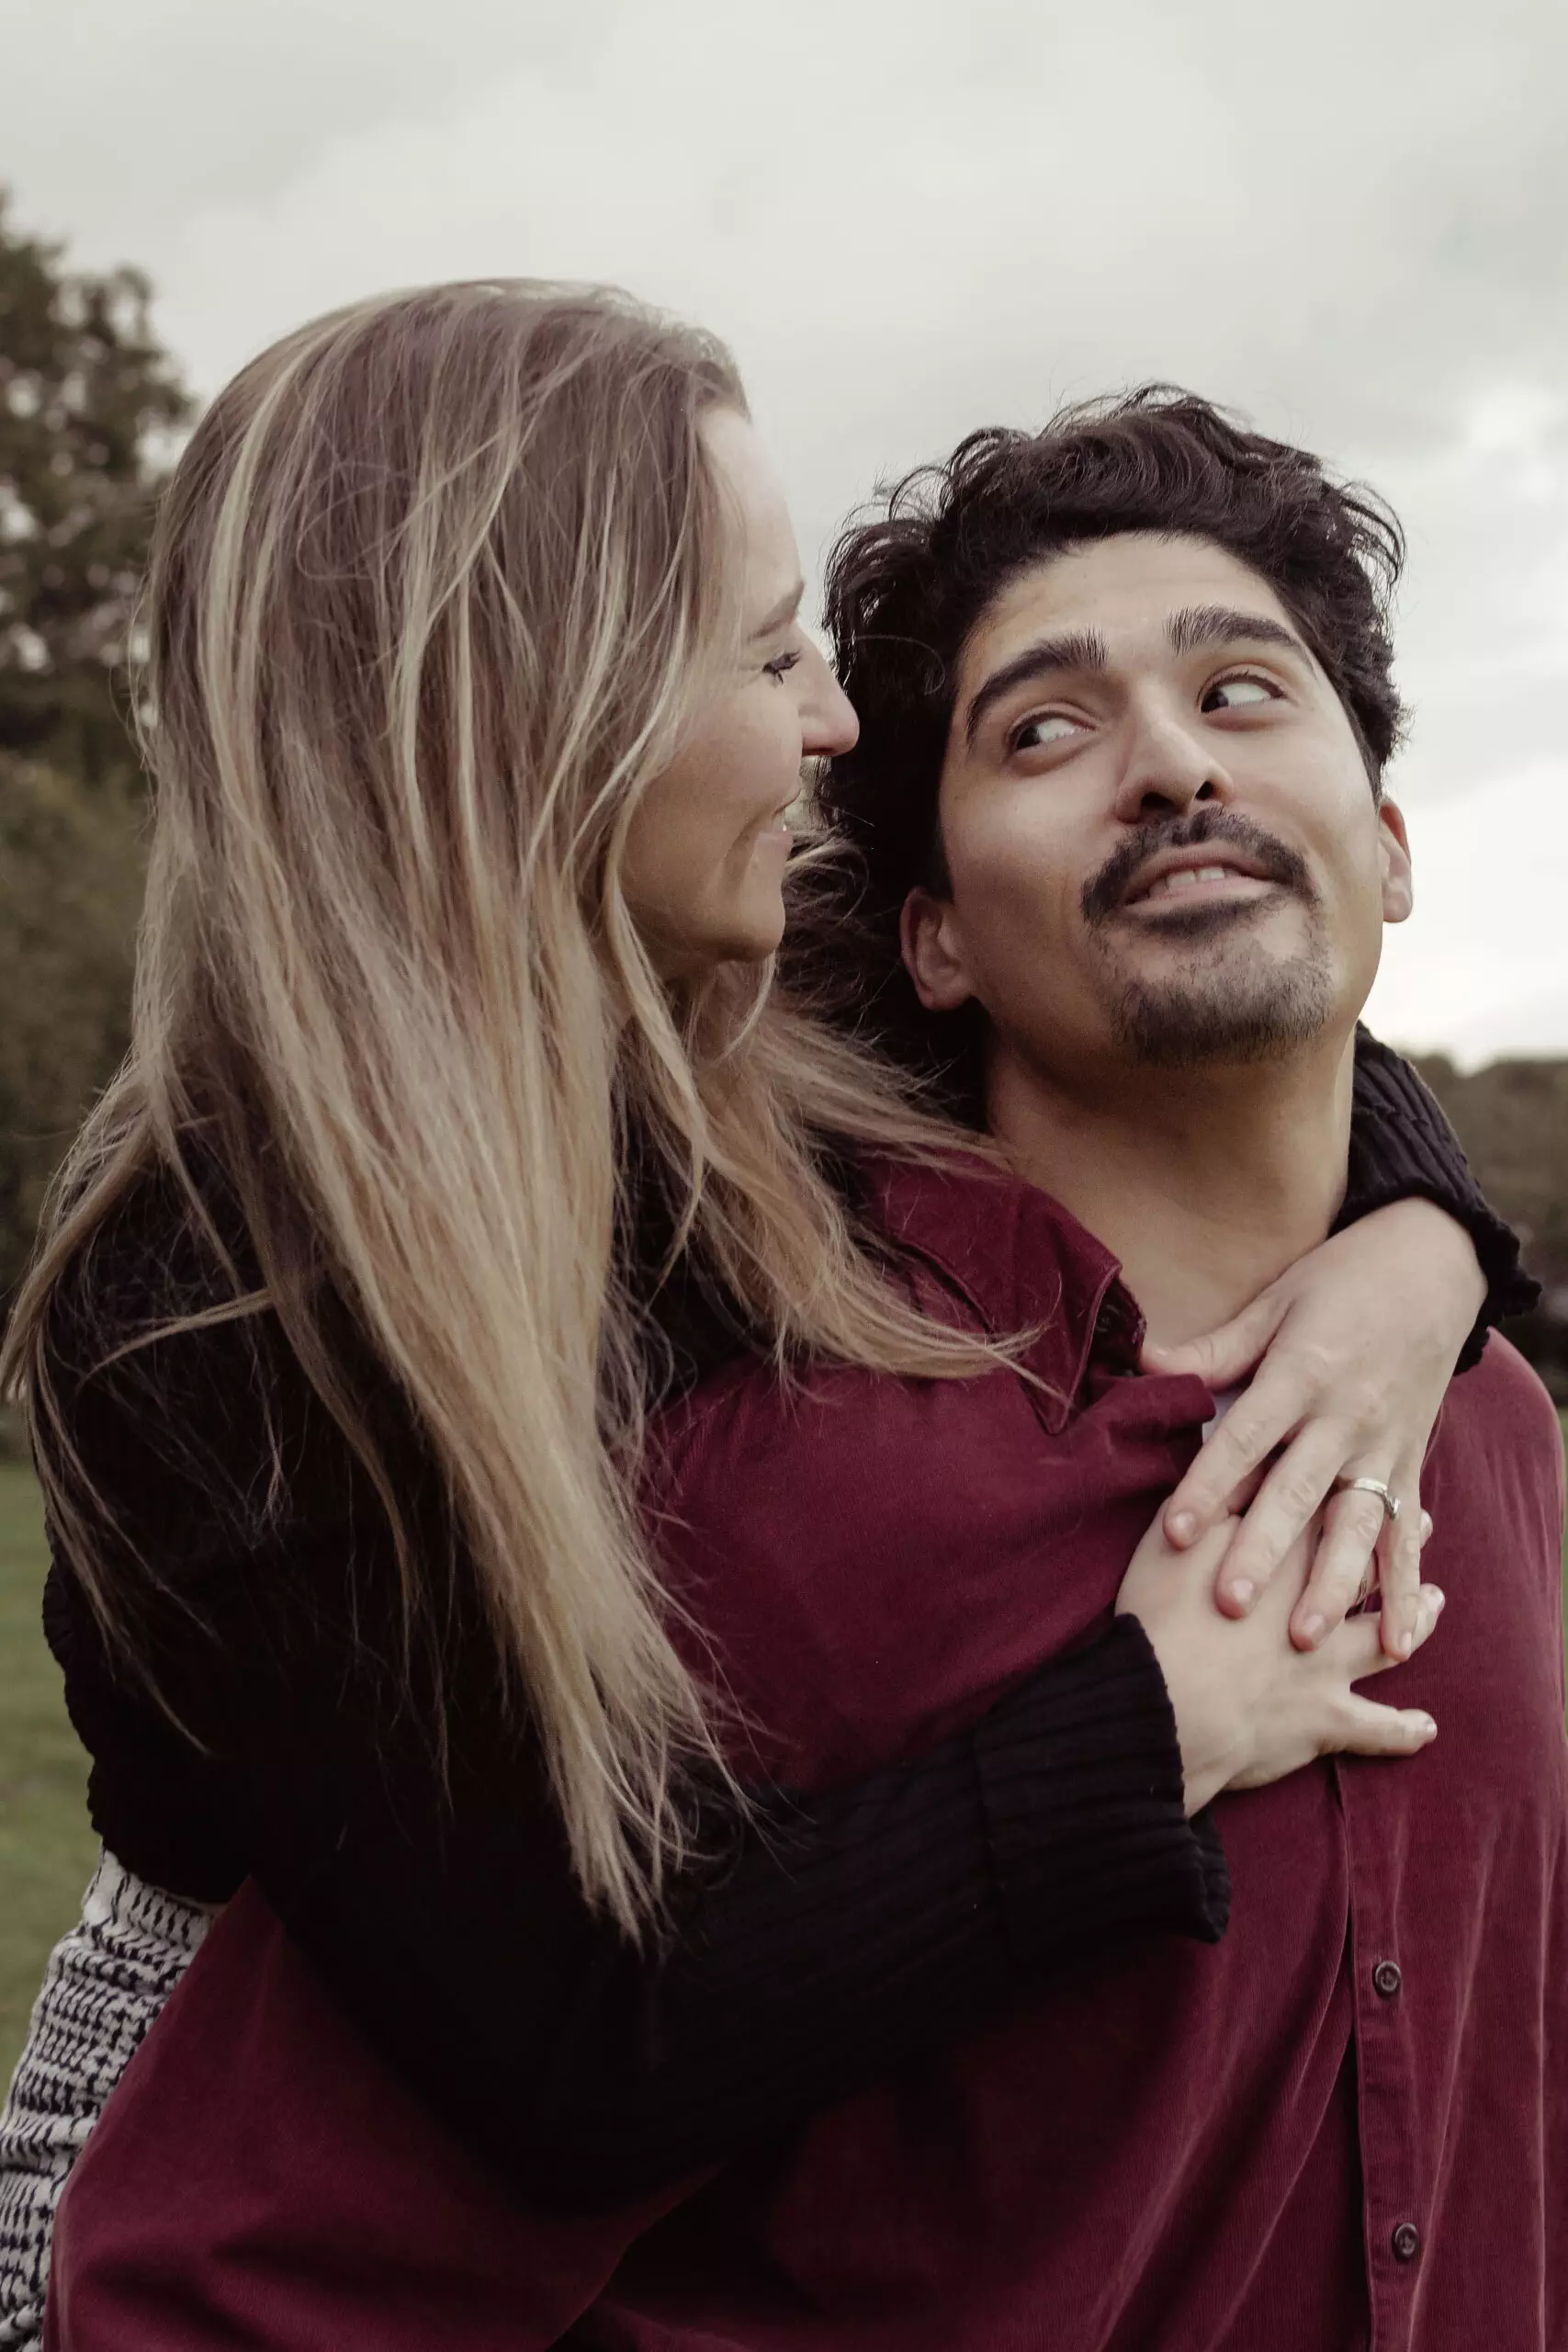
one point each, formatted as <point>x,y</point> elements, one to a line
<point>781,665</point>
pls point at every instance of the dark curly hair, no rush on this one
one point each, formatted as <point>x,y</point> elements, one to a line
<point>907,582</point>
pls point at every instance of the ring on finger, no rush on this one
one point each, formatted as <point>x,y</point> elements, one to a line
<point>1385,1495</point>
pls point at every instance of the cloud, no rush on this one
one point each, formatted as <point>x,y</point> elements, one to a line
<point>1484,949</point>
<point>910,218</point>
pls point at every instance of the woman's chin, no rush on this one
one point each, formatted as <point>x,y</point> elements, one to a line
<point>752,946</point>
<point>743,935</point>
<point>753,926</point>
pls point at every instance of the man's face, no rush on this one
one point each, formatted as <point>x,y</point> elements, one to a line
<point>1160,838</point>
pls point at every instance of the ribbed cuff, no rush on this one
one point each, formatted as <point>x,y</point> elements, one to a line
<point>1086,1809</point>
<point>1403,1148</point>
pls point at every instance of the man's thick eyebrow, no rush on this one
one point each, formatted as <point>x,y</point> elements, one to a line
<point>1080,649</point>
<point>1200,625</point>
<point>784,610</point>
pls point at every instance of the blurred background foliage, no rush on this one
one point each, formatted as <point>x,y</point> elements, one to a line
<point>1511,1118</point>
<point>70,886</point>
<point>91,410</point>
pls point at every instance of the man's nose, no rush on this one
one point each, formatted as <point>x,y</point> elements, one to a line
<point>1169,767</point>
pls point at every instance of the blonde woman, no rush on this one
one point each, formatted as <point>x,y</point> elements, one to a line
<point>462,1125</point>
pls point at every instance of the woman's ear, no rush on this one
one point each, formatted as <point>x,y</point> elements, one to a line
<point>933,952</point>
<point>1393,851</point>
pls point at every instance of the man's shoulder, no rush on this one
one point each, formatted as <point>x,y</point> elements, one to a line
<point>1501,1409</point>
<point>1504,1386</point>
<point>1493,1484</point>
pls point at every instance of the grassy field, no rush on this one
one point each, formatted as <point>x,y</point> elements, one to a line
<point>47,1851</point>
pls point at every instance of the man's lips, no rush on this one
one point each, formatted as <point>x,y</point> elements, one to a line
<point>1155,876</point>
<point>1186,876</point>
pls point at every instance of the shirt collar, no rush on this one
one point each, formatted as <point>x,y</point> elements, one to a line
<point>1020,1258</point>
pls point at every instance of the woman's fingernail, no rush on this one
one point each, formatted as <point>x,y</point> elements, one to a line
<point>1429,1728</point>
<point>1182,1528</point>
<point>1406,1643</point>
<point>1241,1591</point>
<point>1313,1630</point>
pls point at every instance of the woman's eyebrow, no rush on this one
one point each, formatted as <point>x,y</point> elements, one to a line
<point>1199,624</point>
<point>784,610</point>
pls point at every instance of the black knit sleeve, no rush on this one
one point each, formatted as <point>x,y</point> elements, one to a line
<point>1402,1147</point>
<point>818,1942</point>
<point>839,1933</point>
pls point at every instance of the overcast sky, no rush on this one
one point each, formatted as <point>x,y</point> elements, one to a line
<point>911,217</point>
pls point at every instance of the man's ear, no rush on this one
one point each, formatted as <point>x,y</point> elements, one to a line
<point>1394,852</point>
<point>928,937</point>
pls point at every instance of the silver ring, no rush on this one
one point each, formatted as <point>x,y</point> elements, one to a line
<point>1371,1487</point>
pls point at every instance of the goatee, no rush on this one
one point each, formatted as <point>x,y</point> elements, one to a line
<point>1228,1005</point>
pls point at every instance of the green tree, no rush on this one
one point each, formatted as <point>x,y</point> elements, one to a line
<point>1511,1118</point>
<point>88,406</point>
<point>89,410</point>
<point>71,877</point>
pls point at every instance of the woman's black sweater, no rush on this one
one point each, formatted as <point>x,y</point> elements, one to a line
<point>817,1946</point>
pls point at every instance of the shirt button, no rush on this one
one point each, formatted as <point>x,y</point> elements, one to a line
<point>1406,2242</point>
<point>1386,1978</point>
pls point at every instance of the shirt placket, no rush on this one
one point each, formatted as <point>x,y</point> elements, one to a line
<point>1392,2207</point>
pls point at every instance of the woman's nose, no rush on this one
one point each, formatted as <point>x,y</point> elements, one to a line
<point>828,724</point>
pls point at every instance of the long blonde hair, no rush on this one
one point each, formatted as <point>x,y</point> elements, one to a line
<point>436,585</point>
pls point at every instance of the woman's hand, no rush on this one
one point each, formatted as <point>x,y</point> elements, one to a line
<point>1250,1707</point>
<point>1355,1346</point>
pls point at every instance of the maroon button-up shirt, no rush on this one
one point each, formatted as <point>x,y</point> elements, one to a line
<point>1346,2125</point>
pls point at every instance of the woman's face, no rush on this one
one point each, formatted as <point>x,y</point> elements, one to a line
<point>705,852</point>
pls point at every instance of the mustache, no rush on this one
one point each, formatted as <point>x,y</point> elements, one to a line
<point>1105,892</point>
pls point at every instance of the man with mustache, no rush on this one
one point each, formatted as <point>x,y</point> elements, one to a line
<point>1124,860</point>
<point>1125,855</point>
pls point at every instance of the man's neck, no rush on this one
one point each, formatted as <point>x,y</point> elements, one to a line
<point>1205,1183</point>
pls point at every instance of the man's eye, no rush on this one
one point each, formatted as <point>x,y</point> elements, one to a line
<point>1036,733</point>
<point>1232,694</point>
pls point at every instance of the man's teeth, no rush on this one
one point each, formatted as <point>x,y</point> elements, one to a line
<point>1187,877</point>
